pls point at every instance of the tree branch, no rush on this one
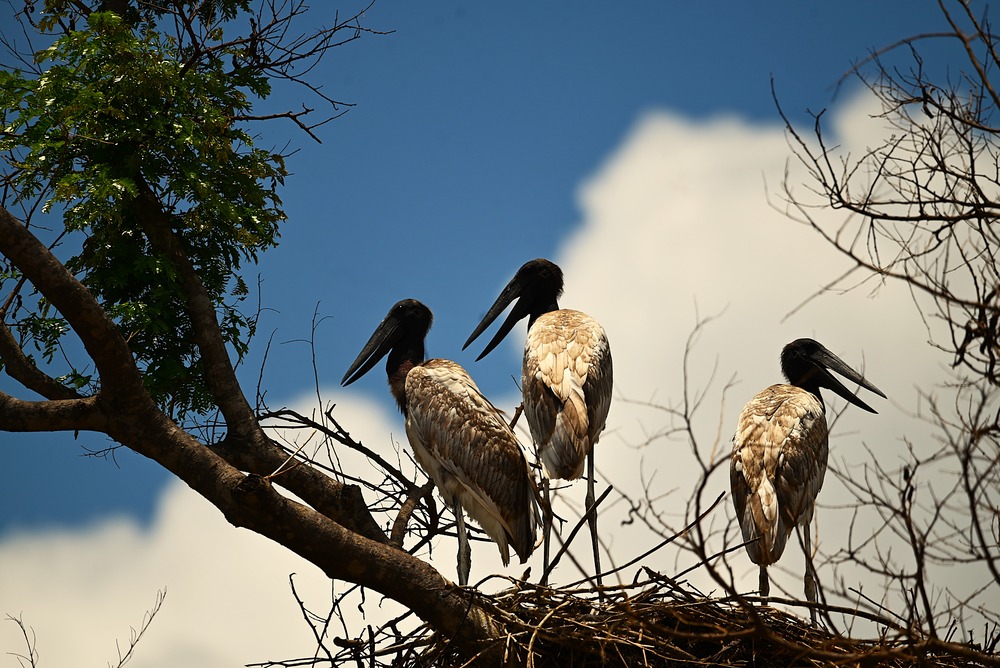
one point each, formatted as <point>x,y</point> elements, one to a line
<point>98,333</point>
<point>59,415</point>
<point>219,372</point>
<point>341,503</point>
<point>20,368</point>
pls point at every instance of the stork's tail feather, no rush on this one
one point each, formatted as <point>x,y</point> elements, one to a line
<point>566,452</point>
<point>764,526</point>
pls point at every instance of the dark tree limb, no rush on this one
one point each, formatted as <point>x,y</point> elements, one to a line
<point>20,368</point>
<point>219,372</point>
<point>54,415</point>
<point>98,333</point>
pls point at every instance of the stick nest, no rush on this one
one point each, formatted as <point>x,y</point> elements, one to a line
<point>665,623</point>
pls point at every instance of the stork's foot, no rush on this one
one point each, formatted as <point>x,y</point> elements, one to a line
<point>764,586</point>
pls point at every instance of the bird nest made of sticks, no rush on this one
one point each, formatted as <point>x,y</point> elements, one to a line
<point>661,622</point>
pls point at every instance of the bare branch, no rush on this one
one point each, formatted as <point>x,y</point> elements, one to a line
<point>29,660</point>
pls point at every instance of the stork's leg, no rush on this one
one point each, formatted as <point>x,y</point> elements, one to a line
<point>592,517</point>
<point>764,587</point>
<point>546,529</point>
<point>464,549</point>
<point>810,582</point>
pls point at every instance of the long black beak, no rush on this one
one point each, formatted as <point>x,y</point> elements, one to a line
<point>828,360</point>
<point>511,292</point>
<point>378,346</point>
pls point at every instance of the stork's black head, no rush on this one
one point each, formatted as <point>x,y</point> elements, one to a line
<point>805,362</point>
<point>400,335</point>
<point>537,284</point>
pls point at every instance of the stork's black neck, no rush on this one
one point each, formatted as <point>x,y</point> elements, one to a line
<point>403,357</point>
<point>544,306</point>
<point>812,387</point>
<point>804,374</point>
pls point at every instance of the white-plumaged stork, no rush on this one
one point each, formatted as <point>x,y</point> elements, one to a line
<point>566,379</point>
<point>459,439</point>
<point>780,451</point>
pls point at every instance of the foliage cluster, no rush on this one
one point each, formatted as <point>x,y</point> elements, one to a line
<point>110,112</point>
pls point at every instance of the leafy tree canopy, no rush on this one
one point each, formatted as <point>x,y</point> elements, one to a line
<point>116,110</point>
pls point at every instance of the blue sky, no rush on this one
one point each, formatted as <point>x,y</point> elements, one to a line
<point>486,134</point>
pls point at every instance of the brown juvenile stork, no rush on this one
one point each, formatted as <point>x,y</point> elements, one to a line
<point>780,451</point>
<point>566,379</point>
<point>458,438</point>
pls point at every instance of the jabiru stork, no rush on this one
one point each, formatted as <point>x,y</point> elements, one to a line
<point>780,453</point>
<point>458,438</point>
<point>566,380</point>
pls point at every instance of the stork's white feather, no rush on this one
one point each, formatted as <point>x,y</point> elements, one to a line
<point>464,445</point>
<point>780,453</point>
<point>567,380</point>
